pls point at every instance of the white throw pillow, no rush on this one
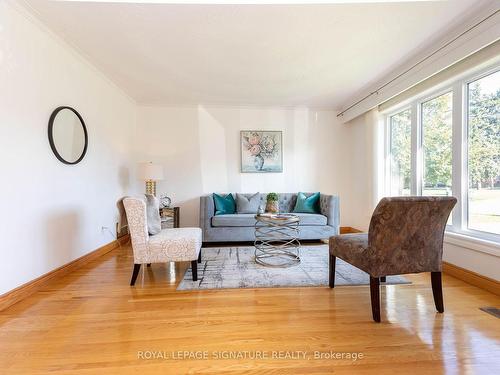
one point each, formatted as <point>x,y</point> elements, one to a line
<point>153,214</point>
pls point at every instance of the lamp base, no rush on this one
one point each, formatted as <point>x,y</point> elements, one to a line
<point>151,187</point>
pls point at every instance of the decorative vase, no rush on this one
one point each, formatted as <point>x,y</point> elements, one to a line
<point>272,206</point>
<point>258,162</point>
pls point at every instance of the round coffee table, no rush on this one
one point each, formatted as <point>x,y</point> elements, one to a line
<point>276,240</point>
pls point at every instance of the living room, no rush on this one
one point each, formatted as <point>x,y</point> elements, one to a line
<point>374,123</point>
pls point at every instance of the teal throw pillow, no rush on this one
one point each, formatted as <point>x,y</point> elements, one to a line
<point>307,205</point>
<point>224,204</point>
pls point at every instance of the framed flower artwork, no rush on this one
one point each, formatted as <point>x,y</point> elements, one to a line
<point>261,151</point>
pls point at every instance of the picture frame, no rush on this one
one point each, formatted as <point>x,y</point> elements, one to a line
<point>261,151</point>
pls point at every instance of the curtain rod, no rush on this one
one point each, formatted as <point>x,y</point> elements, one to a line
<point>418,63</point>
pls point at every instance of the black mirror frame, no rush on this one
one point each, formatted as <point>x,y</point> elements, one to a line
<point>51,137</point>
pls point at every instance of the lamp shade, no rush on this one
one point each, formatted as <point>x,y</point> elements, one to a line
<point>150,171</point>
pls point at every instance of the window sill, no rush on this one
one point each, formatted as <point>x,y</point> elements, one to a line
<point>473,243</point>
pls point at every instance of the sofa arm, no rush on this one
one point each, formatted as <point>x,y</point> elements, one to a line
<point>329,206</point>
<point>207,211</point>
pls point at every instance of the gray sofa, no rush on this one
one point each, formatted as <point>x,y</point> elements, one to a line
<point>240,227</point>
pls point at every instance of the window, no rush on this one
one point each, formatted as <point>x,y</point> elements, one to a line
<point>448,143</point>
<point>483,157</point>
<point>400,146</point>
<point>437,145</point>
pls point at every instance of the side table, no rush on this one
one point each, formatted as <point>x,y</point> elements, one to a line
<point>277,240</point>
<point>169,217</point>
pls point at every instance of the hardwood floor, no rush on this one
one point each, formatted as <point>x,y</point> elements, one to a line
<point>93,322</point>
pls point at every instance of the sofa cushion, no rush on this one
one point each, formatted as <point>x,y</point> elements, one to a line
<point>224,204</point>
<point>312,219</point>
<point>307,204</point>
<point>247,204</point>
<point>248,220</point>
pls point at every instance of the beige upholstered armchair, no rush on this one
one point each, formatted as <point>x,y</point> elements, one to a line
<point>405,236</point>
<point>170,245</point>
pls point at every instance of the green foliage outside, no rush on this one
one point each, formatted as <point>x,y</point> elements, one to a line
<point>484,137</point>
<point>437,141</point>
<point>483,141</point>
<point>401,151</point>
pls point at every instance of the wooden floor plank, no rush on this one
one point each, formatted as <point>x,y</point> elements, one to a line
<point>92,322</point>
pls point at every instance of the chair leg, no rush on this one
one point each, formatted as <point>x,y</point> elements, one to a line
<point>194,269</point>
<point>199,257</point>
<point>135,272</point>
<point>382,279</point>
<point>375,295</point>
<point>332,271</point>
<point>437,291</point>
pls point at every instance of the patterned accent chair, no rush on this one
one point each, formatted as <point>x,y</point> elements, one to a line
<point>405,236</point>
<point>170,245</point>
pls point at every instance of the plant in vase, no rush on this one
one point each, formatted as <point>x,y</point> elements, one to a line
<point>272,203</point>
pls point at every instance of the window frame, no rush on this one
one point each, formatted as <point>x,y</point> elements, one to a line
<point>465,165</point>
<point>460,169</point>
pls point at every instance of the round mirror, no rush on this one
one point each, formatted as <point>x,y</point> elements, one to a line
<point>67,135</point>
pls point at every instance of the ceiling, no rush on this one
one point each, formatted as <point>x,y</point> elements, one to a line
<point>315,55</point>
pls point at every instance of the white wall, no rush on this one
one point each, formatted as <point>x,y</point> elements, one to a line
<point>200,149</point>
<point>52,213</point>
<point>365,154</point>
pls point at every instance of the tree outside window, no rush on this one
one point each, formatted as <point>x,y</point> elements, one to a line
<point>483,127</point>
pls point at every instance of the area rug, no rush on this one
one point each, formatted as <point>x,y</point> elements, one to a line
<point>235,267</point>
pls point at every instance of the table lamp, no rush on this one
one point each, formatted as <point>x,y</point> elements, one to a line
<point>150,173</point>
